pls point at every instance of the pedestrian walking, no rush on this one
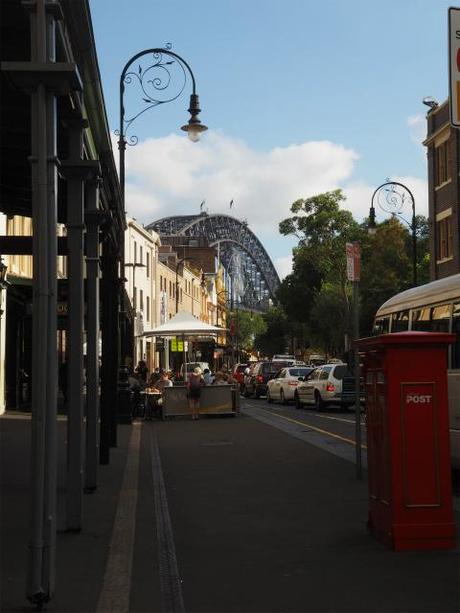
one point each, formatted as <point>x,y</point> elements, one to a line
<point>194,385</point>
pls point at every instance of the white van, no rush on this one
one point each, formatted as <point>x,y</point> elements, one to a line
<point>190,367</point>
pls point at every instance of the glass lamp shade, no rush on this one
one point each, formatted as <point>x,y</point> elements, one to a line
<point>194,130</point>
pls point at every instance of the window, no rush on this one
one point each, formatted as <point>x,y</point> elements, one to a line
<point>140,254</point>
<point>421,320</point>
<point>341,371</point>
<point>147,262</point>
<point>443,163</point>
<point>134,298</point>
<point>141,300</point>
<point>147,299</point>
<point>400,321</point>
<point>161,283</point>
<point>135,252</point>
<point>382,325</point>
<point>440,318</point>
<point>444,238</point>
<point>325,372</point>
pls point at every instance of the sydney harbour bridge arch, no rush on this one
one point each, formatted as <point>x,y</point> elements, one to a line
<point>253,280</point>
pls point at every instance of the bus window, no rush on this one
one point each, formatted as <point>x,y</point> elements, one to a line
<point>400,321</point>
<point>456,331</point>
<point>440,318</point>
<point>381,326</point>
<point>421,320</point>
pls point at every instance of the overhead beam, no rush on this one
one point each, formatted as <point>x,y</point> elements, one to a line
<point>22,245</point>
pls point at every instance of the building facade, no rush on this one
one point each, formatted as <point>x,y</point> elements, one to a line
<point>443,153</point>
<point>141,261</point>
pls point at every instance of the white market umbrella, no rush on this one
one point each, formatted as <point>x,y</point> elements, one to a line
<point>184,324</point>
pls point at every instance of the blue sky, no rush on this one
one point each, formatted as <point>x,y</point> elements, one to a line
<point>299,96</point>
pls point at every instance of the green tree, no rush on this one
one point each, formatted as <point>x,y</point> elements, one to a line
<point>246,326</point>
<point>386,266</point>
<point>323,229</point>
<point>274,338</point>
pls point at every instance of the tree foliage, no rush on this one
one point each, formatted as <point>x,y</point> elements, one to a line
<point>245,327</point>
<point>315,297</point>
<point>274,338</point>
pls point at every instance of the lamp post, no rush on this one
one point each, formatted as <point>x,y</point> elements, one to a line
<point>157,86</point>
<point>151,87</point>
<point>391,198</point>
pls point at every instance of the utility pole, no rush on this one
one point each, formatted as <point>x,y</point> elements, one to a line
<point>353,252</point>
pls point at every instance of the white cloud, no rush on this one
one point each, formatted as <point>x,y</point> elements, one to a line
<point>283,266</point>
<point>171,176</point>
<point>417,128</point>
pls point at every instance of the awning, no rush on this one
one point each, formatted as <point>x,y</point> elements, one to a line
<point>184,324</point>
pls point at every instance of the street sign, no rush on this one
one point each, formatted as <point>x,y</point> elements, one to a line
<point>353,261</point>
<point>454,66</point>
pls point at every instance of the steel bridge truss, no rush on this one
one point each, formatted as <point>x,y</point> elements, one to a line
<point>252,280</point>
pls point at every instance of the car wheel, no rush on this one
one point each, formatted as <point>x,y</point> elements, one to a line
<point>269,398</point>
<point>282,398</point>
<point>298,404</point>
<point>319,404</point>
<point>256,393</point>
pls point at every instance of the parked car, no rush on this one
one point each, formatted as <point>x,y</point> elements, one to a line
<point>255,382</point>
<point>238,374</point>
<point>329,384</point>
<point>283,384</point>
<point>190,367</point>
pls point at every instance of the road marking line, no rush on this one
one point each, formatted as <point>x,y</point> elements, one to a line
<point>170,582</point>
<point>116,587</point>
<point>304,424</point>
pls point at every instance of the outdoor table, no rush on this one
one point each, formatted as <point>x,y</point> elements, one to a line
<point>151,404</point>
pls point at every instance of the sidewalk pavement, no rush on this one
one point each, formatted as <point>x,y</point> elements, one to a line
<point>217,515</point>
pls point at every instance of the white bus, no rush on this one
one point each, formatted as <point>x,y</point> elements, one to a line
<point>434,307</point>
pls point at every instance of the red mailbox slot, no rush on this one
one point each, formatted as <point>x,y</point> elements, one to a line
<point>410,492</point>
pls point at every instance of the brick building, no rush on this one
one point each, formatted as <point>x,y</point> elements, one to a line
<point>443,153</point>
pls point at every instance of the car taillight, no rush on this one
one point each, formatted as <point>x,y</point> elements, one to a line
<point>330,387</point>
<point>295,383</point>
<point>259,379</point>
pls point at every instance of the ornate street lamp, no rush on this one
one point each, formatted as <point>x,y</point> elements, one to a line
<point>155,82</point>
<point>391,197</point>
<point>157,86</point>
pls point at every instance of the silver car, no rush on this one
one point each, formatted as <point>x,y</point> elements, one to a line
<point>330,384</point>
<point>283,385</point>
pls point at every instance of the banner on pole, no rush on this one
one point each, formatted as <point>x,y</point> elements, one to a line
<point>353,251</point>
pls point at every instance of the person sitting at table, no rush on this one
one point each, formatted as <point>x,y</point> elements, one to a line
<point>207,376</point>
<point>164,381</point>
<point>154,377</point>
<point>219,378</point>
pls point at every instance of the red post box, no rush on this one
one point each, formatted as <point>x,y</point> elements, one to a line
<point>409,469</point>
